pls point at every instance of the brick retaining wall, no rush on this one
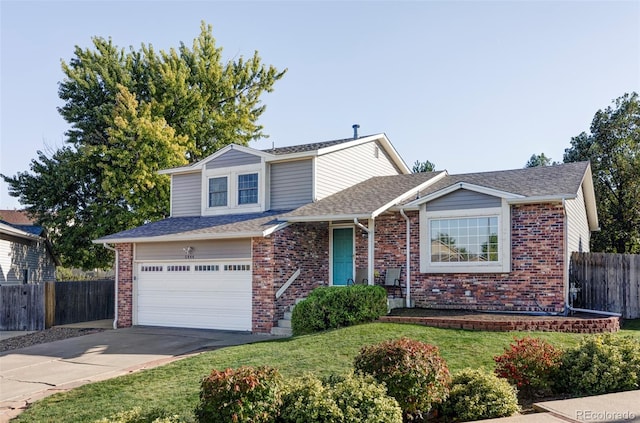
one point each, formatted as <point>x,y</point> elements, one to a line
<point>543,324</point>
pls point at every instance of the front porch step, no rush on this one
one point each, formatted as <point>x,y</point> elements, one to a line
<point>278,331</point>
<point>284,325</point>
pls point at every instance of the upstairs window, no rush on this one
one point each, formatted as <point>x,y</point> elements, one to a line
<point>218,192</point>
<point>248,188</point>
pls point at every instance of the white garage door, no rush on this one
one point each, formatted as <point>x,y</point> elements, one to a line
<point>207,295</point>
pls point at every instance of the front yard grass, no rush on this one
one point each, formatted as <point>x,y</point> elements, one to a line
<point>175,387</point>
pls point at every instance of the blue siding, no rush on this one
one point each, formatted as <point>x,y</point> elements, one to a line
<point>463,199</point>
<point>233,158</point>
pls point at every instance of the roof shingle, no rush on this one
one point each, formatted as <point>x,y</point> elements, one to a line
<point>238,224</point>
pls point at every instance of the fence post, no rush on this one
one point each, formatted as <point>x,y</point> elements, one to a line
<point>49,304</point>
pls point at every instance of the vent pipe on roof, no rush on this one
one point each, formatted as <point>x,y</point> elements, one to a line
<point>355,127</point>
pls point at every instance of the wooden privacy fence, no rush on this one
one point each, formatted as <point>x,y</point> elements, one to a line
<point>606,282</point>
<point>22,307</point>
<point>83,301</point>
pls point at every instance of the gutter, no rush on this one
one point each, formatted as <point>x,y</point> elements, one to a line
<point>115,312</point>
<point>408,254</point>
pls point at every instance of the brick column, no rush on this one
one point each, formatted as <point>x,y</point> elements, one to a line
<point>125,285</point>
<point>263,299</point>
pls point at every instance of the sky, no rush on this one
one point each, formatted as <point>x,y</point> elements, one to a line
<point>469,85</point>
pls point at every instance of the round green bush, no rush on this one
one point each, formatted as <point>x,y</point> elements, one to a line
<point>601,364</point>
<point>306,399</point>
<point>362,399</point>
<point>343,399</point>
<point>336,306</point>
<point>246,394</point>
<point>477,395</point>
<point>413,372</point>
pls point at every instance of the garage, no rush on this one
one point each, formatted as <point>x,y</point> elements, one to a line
<point>212,294</point>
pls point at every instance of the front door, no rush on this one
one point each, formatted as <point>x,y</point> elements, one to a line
<point>342,255</point>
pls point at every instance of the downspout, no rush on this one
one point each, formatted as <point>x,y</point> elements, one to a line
<point>408,254</point>
<point>115,290</point>
<point>370,247</point>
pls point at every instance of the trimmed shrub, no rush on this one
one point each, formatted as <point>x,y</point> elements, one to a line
<point>478,395</point>
<point>413,372</point>
<point>137,415</point>
<point>601,364</point>
<point>362,399</point>
<point>530,364</point>
<point>336,306</point>
<point>306,399</point>
<point>344,399</point>
<point>246,394</point>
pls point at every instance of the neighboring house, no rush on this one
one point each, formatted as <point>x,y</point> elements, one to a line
<point>251,231</point>
<point>25,253</point>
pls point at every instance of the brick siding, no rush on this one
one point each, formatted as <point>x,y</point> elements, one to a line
<point>125,285</point>
<point>535,282</point>
<point>275,259</point>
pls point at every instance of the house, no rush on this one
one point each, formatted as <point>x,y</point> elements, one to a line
<point>25,253</point>
<point>253,230</point>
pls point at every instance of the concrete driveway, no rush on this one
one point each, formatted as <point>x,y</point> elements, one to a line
<point>29,374</point>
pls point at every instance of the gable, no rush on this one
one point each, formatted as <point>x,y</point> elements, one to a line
<point>462,199</point>
<point>233,158</point>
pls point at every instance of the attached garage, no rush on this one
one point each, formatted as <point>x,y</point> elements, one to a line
<point>193,293</point>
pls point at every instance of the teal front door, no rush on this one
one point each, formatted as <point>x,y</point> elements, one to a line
<point>342,255</point>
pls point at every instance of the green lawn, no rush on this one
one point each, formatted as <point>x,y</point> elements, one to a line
<point>174,387</point>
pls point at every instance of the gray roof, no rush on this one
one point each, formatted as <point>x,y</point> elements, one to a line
<point>558,180</point>
<point>364,198</point>
<point>30,229</point>
<point>205,226</point>
<point>308,147</point>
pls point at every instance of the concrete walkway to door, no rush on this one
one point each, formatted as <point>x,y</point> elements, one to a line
<point>32,373</point>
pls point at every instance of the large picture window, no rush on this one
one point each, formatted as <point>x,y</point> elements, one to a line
<point>464,240</point>
<point>248,188</point>
<point>470,240</point>
<point>218,192</point>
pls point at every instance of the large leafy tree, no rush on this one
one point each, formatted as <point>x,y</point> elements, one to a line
<point>613,147</point>
<point>131,113</point>
<point>539,160</point>
<point>420,167</point>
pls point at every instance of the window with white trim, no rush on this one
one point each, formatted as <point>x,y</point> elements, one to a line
<point>465,241</point>
<point>218,190</point>
<point>248,188</point>
<point>238,187</point>
<point>468,239</point>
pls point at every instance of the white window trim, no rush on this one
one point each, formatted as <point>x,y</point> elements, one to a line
<point>232,190</point>
<point>503,265</point>
<point>208,191</point>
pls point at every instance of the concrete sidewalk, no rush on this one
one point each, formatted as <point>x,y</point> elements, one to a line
<point>610,408</point>
<point>32,373</point>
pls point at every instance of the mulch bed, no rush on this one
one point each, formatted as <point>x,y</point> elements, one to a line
<point>43,336</point>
